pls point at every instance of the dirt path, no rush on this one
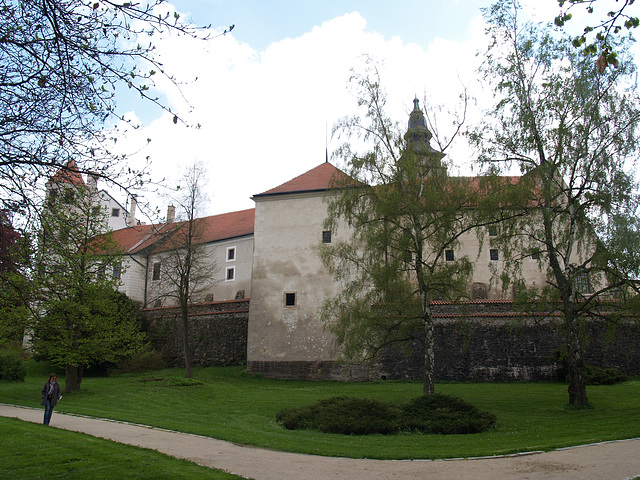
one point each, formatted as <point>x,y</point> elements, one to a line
<point>610,460</point>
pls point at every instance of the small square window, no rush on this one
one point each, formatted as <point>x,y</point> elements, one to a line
<point>326,236</point>
<point>493,254</point>
<point>289,299</point>
<point>231,253</point>
<point>535,255</point>
<point>449,255</point>
<point>493,231</point>
<point>231,273</point>
<point>115,212</point>
<point>156,270</point>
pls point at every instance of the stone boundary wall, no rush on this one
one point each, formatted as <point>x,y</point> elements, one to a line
<point>482,341</point>
<point>217,332</point>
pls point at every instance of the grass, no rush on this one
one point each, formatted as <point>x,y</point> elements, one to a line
<point>33,451</point>
<point>231,405</point>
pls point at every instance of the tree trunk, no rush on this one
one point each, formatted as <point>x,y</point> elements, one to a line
<point>575,366</point>
<point>73,378</point>
<point>188,373</point>
<point>428,373</point>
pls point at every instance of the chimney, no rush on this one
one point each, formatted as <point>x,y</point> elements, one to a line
<point>131,221</point>
<point>171,214</point>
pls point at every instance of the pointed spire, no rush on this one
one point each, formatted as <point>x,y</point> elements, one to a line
<point>326,144</point>
<point>416,119</point>
<point>418,138</point>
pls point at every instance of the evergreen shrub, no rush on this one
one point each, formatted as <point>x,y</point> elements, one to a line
<point>604,376</point>
<point>12,366</point>
<point>145,361</point>
<point>440,414</point>
<point>444,414</point>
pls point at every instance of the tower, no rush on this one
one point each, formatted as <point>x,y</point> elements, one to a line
<point>418,142</point>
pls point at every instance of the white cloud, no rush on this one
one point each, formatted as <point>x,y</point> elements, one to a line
<point>264,114</point>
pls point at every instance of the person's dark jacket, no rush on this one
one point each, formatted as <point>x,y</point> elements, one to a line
<point>53,397</point>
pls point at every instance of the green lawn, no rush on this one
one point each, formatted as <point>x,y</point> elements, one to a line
<point>235,406</point>
<point>33,451</point>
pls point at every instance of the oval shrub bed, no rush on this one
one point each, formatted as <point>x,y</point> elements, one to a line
<point>440,414</point>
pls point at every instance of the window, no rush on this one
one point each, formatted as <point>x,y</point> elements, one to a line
<point>117,271</point>
<point>535,255</point>
<point>156,270</point>
<point>582,283</point>
<point>408,256</point>
<point>493,231</point>
<point>68,196</point>
<point>448,254</point>
<point>115,212</point>
<point>326,236</point>
<point>231,253</point>
<point>63,233</point>
<point>53,196</point>
<point>231,273</point>
<point>493,254</point>
<point>289,299</point>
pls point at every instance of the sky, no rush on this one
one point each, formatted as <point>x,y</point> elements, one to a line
<point>268,94</point>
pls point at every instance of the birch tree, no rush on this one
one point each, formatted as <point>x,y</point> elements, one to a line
<point>573,132</point>
<point>405,218</point>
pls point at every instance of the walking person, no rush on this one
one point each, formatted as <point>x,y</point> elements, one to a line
<point>50,396</point>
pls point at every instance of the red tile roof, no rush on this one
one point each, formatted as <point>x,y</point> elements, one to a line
<point>214,228</point>
<point>70,173</point>
<point>317,179</point>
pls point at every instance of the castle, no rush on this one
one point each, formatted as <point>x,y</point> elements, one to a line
<point>268,256</point>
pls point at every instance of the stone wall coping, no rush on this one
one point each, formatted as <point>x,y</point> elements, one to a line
<point>203,314</point>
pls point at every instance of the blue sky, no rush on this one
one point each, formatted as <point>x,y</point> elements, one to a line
<point>267,93</point>
<point>260,22</point>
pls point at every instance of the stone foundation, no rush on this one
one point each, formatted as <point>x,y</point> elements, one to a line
<point>482,341</point>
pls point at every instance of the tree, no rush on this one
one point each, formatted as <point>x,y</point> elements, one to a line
<point>404,217</point>
<point>617,20</point>
<point>14,288</point>
<point>95,325</point>
<point>186,269</point>
<point>62,66</point>
<point>573,132</point>
<point>80,318</point>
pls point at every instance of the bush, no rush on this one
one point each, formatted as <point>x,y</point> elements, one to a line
<point>440,414</point>
<point>172,381</point>
<point>593,375</point>
<point>345,415</point>
<point>145,361</point>
<point>12,366</point>
<point>444,414</point>
<point>603,376</point>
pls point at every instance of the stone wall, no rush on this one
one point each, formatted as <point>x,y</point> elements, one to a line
<point>483,341</point>
<point>217,335</point>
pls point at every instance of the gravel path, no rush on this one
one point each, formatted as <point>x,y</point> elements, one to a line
<point>610,460</point>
